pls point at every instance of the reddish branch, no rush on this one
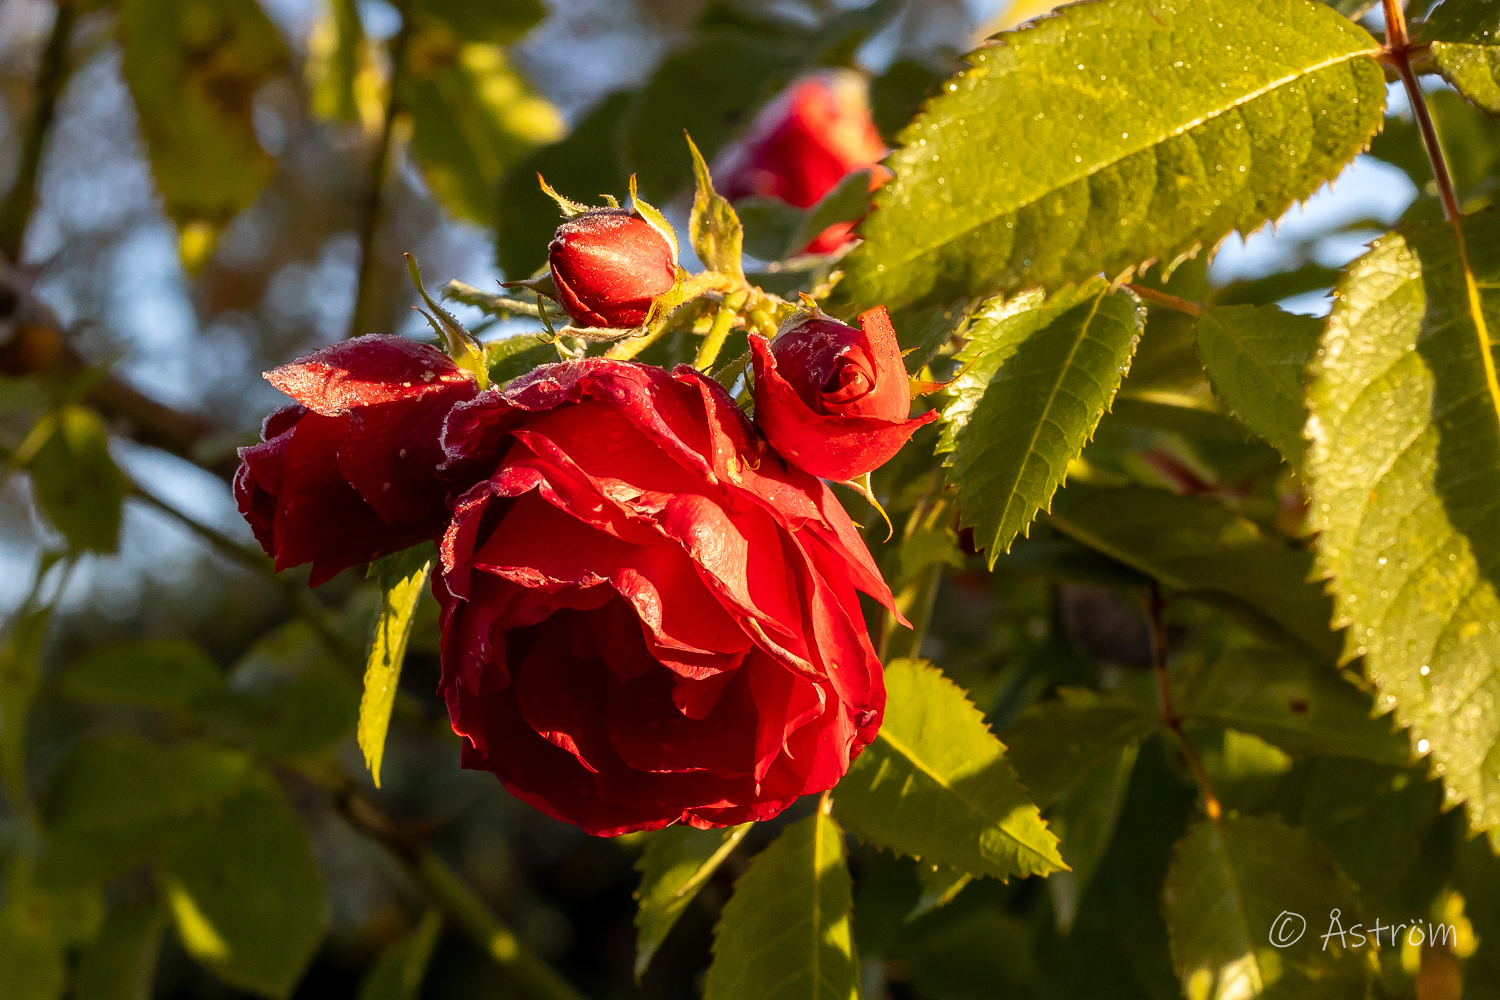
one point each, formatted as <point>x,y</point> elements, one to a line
<point>1398,53</point>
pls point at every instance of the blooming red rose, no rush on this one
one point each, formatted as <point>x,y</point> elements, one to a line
<point>608,265</point>
<point>813,135</point>
<point>647,617</point>
<point>831,398</point>
<point>349,474</point>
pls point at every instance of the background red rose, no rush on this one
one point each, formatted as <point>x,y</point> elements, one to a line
<point>834,399</point>
<point>349,474</point>
<point>647,618</point>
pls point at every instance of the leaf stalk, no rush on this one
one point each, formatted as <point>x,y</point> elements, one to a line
<point>1155,606</point>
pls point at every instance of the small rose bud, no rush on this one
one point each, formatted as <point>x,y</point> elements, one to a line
<point>832,399</point>
<point>608,265</point>
<point>813,135</point>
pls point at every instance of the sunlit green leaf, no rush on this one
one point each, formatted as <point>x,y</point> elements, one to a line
<point>713,227</point>
<point>676,864</point>
<point>1405,465</point>
<point>1301,706</point>
<point>515,356</point>
<point>402,578</point>
<point>936,784</point>
<point>1196,544</point>
<point>1042,373</point>
<point>1465,40</point>
<point>194,67</point>
<point>1257,358</point>
<point>1113,134</point>
<point>155,673</point>
<point>785,932</point>
<point>1235,885</point>
<point>77,483</point>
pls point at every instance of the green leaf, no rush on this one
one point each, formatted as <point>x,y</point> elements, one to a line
<point>785,932</point>
<point>940,886</point>
<point>710,89</point>
<point>120,964</point>
<point>1257,358</point>
<point>847,201</point>
<point>1405,469</point>
<point>1197,545</point>
<point>338,52</point>
<point>36,930</point>
<point>474,117</point>
<point>1044,371</point>
<point>77,483</point>
<point>397,974</point>
<point>193,67</point>
<point>402,577</point>
<point>244,891</point>
<point>1301,706</point>
<point>675,865</point>
<point>1054,744</point>
<point>714,229</point>
<point>20,673</point>
<point>584,164</point>
<point>154,673</point>
<point>1084,819</point>
<point>515,356</point>
<point>1465,40</point>
<point>1226,893</point>
<point>1113,134</point>
<point>499,22</point>
<point>936,785</point>
<point>1275,287</point>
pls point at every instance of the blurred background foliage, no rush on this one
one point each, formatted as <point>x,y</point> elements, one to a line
<point>198,190</point>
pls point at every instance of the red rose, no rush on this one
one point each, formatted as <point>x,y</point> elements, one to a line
<point>813,135</point>
<point>834,400</point>
<point>608,266</point>
<point>349,475</point>
<point>647,617</point>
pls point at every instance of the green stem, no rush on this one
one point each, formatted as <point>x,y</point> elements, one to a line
<point>713,343</point>
<point>51,76</point>
<point>367,293</point>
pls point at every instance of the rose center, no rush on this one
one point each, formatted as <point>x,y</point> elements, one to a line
<point>848,382</point>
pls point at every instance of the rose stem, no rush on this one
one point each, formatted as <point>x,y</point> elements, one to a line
<point>1169,717</point>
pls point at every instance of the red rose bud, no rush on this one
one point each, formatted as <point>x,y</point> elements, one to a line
<point>609,265</point>
<point>800,146</point>
<point>349,474</point>
<point>646,618</point>
<point>831,399</point>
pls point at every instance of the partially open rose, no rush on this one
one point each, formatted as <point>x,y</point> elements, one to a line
<point>348,474</point>
<point>832,399</point>
<point>647,618</point>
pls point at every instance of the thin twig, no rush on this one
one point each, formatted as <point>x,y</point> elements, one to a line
<point>1169,301</point>
<point>443,887</point>
<point>51,76</point>
<point>371,198</point>
<point>1398,50</point>
<point>1169,717</point>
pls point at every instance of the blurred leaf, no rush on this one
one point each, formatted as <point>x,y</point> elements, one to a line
<point>1079,145</point>
<point>513,357</point>
<point>1353,9</point>
<point>77,483</point>
<point>1257,358</point>
<point>398,973</point>
<point>847,201</point>
<point>1197,545</point>
<point>713,227</point>
<point>940,886</point>
<point>675,865</point>
<point>474,118</point>
<point>1405,469</point>
<point>936,784</point>
<point>963,953</point>
<point>711,89</point>
<point>154,673</point>
<point>1226,893</point>
<point>498,22</point>
<point>402,577</point>
<point>244,891</point>
<point>1465,40</point>
<point>336,57</point>
<point>769,225</point>
<point>1043,371</point>
<point>785,931</point>
<point>120,964</point>
<point>1054,744</point>
<point>20,673</point>
<point>1063,560</point>
<point>897,94</point>
<point>1190,415</point>
<point>36,930</point>
<point>584,165</point>
<point>1275,287</point>
<point>193,67</point>
<point>1084,819</point>
<point>1301,706</point>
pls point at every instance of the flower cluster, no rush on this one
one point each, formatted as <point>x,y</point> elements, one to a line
<point>649,602</point>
